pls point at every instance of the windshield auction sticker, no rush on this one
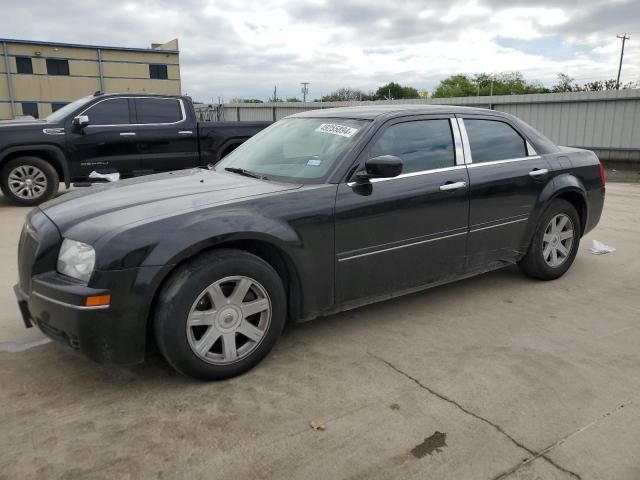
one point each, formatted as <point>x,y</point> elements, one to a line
<point>336,129</point>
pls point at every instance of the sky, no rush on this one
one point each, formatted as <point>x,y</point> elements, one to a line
<point>242,48</point>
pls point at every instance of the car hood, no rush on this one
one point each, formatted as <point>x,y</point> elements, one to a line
<point>89,212</point>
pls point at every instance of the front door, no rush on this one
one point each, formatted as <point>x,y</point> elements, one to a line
<point>505,180</point>
<point>398,233</point>
<point>107,143</point>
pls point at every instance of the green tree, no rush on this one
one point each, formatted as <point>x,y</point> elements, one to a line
<point>455,86</point>
<point>565,84</point>
<point>345,94</point>
<point>245,100</point>
<point>395,91</point>
<point>507,83</point>
<point>293,99</point>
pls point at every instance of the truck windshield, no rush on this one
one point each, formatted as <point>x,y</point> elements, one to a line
<point>60,114</point>
<point>295,149</point>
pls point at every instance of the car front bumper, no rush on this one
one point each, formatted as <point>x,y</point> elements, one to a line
<point>113,334</point>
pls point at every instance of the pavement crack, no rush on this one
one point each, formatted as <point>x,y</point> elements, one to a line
<point>534,455</point>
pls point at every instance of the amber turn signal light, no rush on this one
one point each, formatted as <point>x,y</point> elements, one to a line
<point>98,300</point>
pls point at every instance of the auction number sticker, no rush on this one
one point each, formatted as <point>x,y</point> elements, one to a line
<point>337,129</point>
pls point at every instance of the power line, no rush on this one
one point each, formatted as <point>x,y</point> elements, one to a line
<point>624,38</point>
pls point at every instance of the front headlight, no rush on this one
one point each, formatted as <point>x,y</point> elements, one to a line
<point>76,259</point>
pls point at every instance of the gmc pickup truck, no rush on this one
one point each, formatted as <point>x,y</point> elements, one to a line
<point>132,134</point>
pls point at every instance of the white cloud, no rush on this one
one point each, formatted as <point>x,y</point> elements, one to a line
<point>244,47</point>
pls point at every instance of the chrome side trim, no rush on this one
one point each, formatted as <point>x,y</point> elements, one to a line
<point>69,305</point>
<point>508,160</point>
<point>468,159</point>
<point>53,131</point>
<point>182,111</point>
<point>412,244</point>
<point>412,174</point>
<point>127,134</point>
<point>499,225</point>
<point>457,141</point>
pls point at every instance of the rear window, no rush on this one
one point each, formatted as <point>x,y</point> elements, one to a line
<point>493,140</point>
<point>158,110</point>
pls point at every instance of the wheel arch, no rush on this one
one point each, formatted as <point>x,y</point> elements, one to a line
<point>50,153</point>
<point>570,188</point>
<point>267,250</point>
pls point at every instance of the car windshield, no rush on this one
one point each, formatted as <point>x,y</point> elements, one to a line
<point>295,149</point>
<point>60,114</point>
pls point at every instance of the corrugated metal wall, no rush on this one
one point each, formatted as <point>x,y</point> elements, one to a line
<point>608,122</point>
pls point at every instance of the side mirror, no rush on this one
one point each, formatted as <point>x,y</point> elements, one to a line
<point>81,121</point>
<point>385,166</point>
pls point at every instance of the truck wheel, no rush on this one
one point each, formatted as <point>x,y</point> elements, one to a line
<point>220,314</point>
<point>29,181</point>
<point>555,242</point>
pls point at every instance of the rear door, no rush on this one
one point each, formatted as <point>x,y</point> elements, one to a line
<point>106,144</point>
<point>166,138</point>
<point>397,233</point>
<point>506,177</point>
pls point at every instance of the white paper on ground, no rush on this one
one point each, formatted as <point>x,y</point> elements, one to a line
<point>110,177</point>
<point>599,248</point>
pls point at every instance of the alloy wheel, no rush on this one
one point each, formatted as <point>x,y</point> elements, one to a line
<point>228,320</point>
<point>27,181</point>
<point>557,240</point>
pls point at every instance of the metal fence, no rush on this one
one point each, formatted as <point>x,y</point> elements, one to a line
<point>607,122</point>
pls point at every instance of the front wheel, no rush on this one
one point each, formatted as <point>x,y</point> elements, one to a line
<point>220,315</point>
<point>555,242</point>
<point>29,181</point>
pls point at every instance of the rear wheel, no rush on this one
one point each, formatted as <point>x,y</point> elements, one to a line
<point>555,242</point>
<point>29,181</point>
<point>220,315</point>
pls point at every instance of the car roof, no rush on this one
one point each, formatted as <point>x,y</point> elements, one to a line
<point>371,112</point>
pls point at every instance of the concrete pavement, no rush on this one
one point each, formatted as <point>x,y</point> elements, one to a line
<point>497,376</point>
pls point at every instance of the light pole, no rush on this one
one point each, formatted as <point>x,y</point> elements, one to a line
<point>624,38</point>
<point>304,90</point>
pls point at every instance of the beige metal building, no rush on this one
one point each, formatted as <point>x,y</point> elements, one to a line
<point>37,78</point>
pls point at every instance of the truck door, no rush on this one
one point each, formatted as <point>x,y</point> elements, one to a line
<point>106,144</point>
<point>167,139</point>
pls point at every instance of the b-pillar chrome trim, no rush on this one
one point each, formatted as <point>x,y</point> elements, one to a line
<point>457,141</point>
<point>465,141</point>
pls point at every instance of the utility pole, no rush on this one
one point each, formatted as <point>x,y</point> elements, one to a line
<point>624,38</point>
<point>304,90</point>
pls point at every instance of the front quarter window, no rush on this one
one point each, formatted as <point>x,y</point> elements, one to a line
<point>302,150</point>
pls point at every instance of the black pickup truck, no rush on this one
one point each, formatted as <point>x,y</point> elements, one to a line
<point>132,134</point>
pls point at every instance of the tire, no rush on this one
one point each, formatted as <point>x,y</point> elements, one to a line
<point>29,181</point>
<point>201,315</point>
<point>552,249</point>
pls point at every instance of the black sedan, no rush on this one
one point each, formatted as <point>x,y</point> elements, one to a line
<point>321,212</point>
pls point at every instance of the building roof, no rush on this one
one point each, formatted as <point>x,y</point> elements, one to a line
<point>369,112</point>
<point>80,45</point>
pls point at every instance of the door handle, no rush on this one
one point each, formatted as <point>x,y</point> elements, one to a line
<point>185,132</point>
<point>538,172</point>
<point>452,186</point>
<point>127,134</point>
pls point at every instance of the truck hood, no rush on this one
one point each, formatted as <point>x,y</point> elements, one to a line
<point>31,123</point>
<point>85,214</point>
